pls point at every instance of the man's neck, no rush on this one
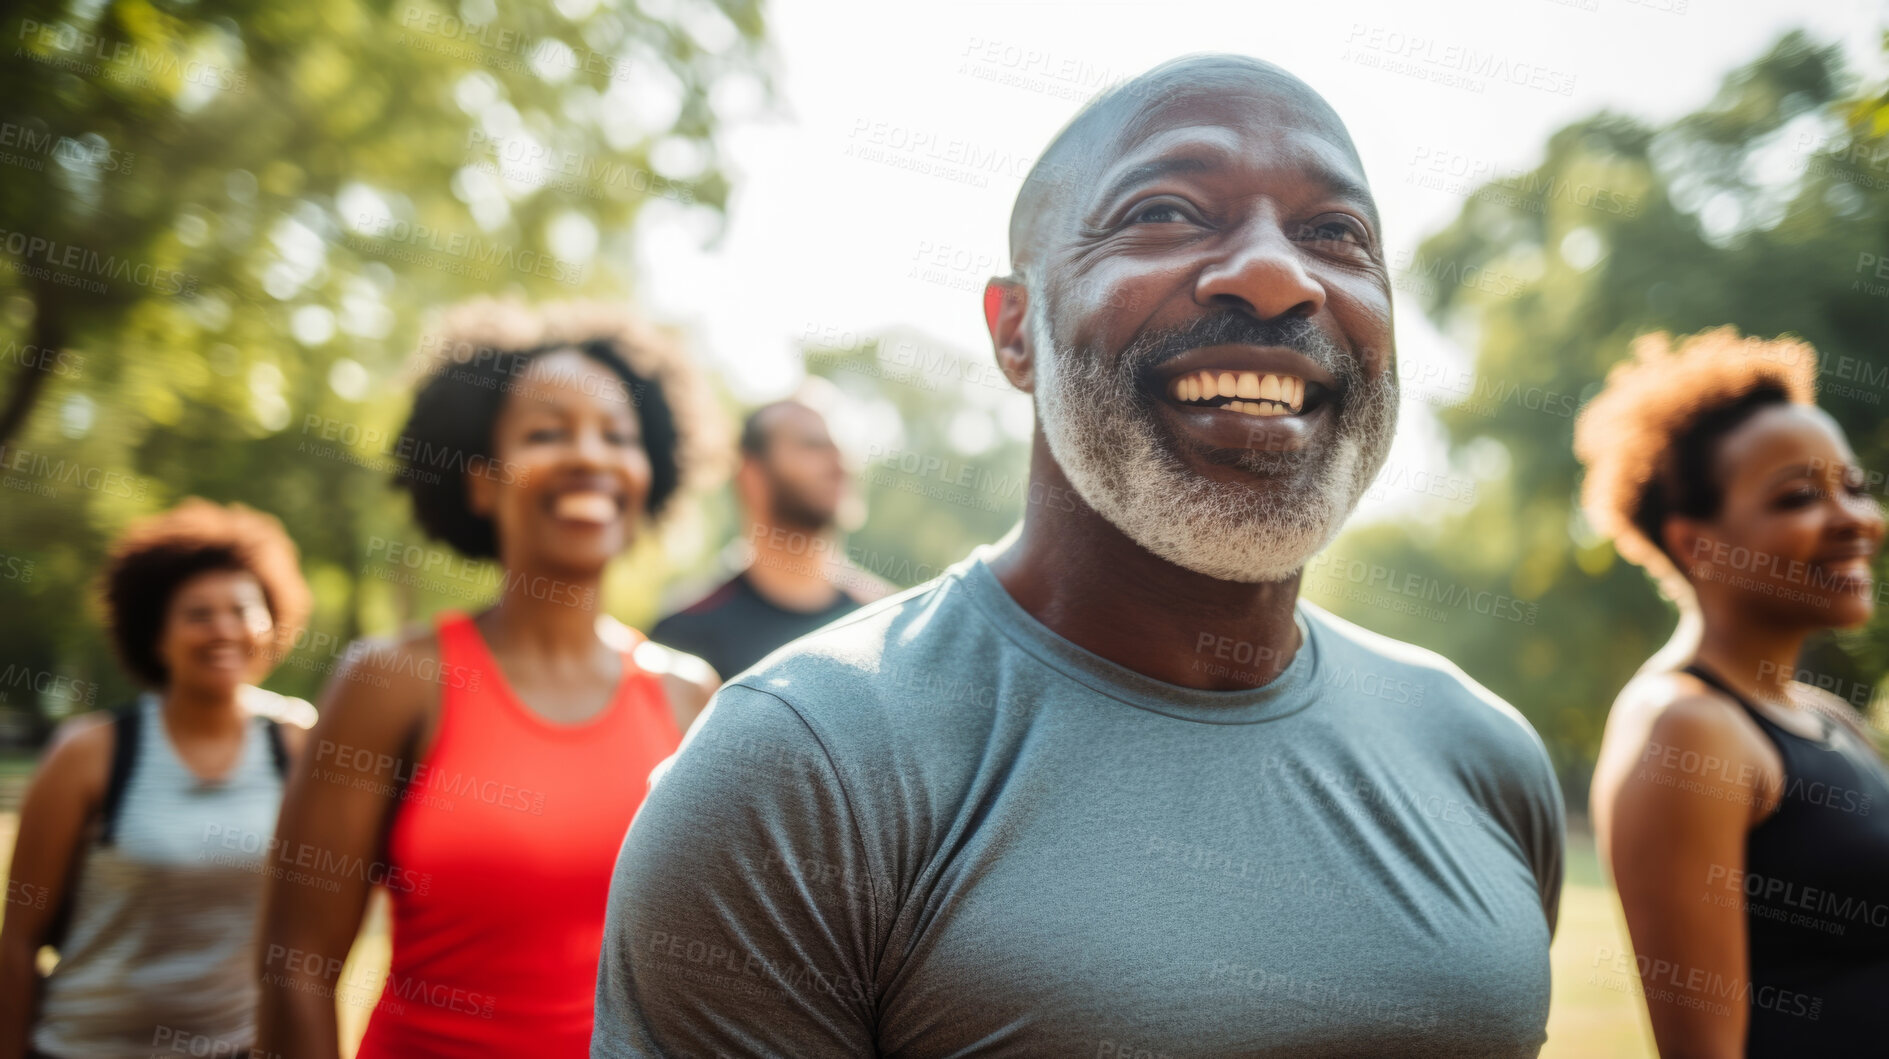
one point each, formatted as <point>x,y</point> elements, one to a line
<point>1081,577</point>
<point>793,567</point>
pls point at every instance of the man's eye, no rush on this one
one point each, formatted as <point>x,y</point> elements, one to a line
<point>543,435</point>
<point>1158,213</point>
<point>1338,230</point>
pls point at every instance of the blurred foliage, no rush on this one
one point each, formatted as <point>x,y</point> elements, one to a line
<point>1769,210</point>
<point>938,443</point>
<point>222,223</point>
<point>945,446</point>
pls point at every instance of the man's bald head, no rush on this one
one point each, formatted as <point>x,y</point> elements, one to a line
<point>1130,111</point>
<point>1194,247</point>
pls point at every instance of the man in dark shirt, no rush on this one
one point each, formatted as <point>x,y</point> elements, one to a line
<point>790,484</point>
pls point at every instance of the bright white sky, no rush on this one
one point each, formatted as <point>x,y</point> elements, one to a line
<point>821,240</point>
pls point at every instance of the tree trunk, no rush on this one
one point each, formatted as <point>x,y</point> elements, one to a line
<point>36,364</point>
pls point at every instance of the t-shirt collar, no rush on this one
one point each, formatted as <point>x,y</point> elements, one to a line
<point>1286,694</point>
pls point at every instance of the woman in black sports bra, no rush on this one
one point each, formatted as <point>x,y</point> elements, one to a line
<point>1743,813</point>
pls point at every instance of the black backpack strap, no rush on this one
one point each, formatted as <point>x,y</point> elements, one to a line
<point>127,725</point>
<point>126,721</point>
<point>278,750</point>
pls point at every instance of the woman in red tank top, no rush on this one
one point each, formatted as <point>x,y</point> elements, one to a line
<point>484,772</point>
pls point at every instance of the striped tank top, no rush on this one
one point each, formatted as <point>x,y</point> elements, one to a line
<point>162,942</point>
<point>501,855</point>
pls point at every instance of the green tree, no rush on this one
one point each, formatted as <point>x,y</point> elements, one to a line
<point>945,470</point>
<point>222,222</point>
<point>1768,209</point>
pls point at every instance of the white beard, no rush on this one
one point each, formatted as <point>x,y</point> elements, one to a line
<point>1113,455</point>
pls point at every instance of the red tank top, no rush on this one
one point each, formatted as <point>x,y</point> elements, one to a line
<point>501,853</point>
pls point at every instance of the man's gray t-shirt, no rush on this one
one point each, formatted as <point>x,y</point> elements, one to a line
<point>936,828</point>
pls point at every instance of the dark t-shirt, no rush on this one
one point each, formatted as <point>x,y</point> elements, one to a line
<point>936,828</point>
<point>732,627</point>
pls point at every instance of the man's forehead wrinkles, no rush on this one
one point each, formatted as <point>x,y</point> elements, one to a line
<point>1148,172</point>
<point>1191,148</point>
<point>1203,148</point>
<point>1219,96</point>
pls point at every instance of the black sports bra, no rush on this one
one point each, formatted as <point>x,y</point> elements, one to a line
<point>1815,889</point>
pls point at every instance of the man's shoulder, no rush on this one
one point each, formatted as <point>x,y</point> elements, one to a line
<point>1444,696</point>
<point>707,603</point>
<point>1456,727</point>
<point>698,615</point>
<point>866,698</point>
<point>870,660</point>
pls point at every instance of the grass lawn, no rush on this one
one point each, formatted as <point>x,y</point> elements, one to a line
<point>1587,1017</point>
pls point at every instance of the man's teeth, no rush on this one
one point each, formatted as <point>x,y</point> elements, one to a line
<point>589,506</point>
<point>1258,408</point>
<point>1264,395</point>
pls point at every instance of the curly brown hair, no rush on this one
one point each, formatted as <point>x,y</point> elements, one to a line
<point>1648,438</point>
<point>468,366</point>
<point>152,558</point>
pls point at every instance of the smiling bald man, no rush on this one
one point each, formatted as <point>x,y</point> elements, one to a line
<point>1108,788</point>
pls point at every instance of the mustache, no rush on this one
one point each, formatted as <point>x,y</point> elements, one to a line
<point>1152,349</point>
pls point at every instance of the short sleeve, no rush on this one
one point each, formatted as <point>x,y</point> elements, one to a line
<point>741,913</point>
<point>1521,794</point>
<point>1549,846</point>
<point>1547,819</point>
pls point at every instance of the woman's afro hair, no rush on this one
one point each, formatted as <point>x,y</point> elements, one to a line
<point>472,361</point>
<point>1649,437</point>
<point>155,556</point>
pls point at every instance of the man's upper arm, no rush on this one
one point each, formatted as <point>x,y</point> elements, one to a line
<point>1550,834</point>
<point>1525,797</point>
<point>742,916</point>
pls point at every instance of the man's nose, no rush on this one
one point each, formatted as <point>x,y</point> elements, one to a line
<point>1261,272</point>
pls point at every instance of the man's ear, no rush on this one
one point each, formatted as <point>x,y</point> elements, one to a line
<point>1006,312</point>
<point>749,486</point>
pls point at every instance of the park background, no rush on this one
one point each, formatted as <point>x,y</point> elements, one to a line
<point>224,225</point>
